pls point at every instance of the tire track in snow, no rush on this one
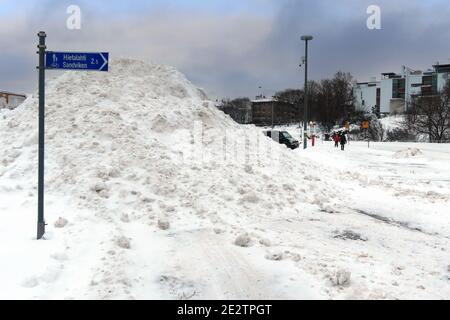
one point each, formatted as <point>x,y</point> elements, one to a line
<point>400,224</point>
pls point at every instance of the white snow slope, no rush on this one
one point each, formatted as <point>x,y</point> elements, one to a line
<point>155,193</point>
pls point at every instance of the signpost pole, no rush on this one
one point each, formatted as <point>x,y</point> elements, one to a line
<point>367,136</point>
<point>366,126</point>
<point>81,61</point>
<point>314,135</point>
<point>41,220</point>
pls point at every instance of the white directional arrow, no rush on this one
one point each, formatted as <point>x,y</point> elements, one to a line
<point>105,61</point>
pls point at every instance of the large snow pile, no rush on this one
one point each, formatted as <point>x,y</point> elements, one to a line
<point>103,126</point>
<point>140,146</point>
<point>127,137</point>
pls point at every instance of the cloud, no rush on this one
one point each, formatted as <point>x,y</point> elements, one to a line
<point>204,46</point>
<point>342,41</point>
<point>231,50</point>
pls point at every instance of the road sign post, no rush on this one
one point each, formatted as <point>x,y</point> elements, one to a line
<point>313,138</point>
<point>41,52</point>
<point>365,125</point>
<point>367,136</point>
<point>93,61</point>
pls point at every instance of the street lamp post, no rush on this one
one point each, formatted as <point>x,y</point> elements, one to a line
<point>273,124</point>
<point>305,115</point>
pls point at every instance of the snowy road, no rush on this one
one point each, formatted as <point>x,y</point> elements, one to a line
<point>383,181</point>
<point>401,204</point>
<point>391,230</point>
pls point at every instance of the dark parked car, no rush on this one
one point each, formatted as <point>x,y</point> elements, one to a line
<point>283,137</point>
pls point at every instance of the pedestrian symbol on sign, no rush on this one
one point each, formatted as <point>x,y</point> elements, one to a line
<point>55,61</point>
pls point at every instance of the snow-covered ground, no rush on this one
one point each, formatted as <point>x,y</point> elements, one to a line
<point>401,203</point>
<point>164,200</point>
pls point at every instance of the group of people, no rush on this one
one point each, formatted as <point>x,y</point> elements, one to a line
<point>340,137</point>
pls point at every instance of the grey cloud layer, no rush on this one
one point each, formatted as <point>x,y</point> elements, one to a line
<point>231,55</point>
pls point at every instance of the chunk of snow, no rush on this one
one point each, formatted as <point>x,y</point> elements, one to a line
<point>275,256</point>
<point>265,242</point>
<point>125,218</point>
<point>341,278</point>
<point>61,223</point>
<point>163,224</point>
<point>124,243</point>
<point>243,240</point>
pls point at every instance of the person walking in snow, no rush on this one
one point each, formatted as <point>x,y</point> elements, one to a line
<point>343,140</point>
<point>336,139</point>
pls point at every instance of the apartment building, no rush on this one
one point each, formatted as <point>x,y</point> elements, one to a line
<point>392,93</point>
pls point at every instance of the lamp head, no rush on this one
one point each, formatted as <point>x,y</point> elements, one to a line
<point>306,38</point>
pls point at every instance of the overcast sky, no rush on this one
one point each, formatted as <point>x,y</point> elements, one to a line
<point>231,47</point>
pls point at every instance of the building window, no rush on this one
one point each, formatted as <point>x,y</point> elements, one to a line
<point>398,88</point>
<point>378,106</point>
<point>428,85</point>
<point>427,80</point>
<point>434,82</point>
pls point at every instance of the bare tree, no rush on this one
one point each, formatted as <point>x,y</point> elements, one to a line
<point>325,104</point>
<point>331,100</point>
<point>430,115</point>
<point>293,96</point>
<point>239,109</point>
<point>334,100</point>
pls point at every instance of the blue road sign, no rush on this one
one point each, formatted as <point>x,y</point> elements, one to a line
<point>77,61</point>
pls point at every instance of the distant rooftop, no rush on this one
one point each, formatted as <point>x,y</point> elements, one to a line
<point>391,75</point>
<point>442,67</point>
<point>264,100</point>
<point>12,94</point>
